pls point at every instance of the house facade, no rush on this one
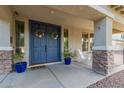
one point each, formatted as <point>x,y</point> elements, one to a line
<point>42,33</point>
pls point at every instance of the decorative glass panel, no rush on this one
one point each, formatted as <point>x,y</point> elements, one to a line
<point>91,40</point>
<point>19,29</point>
<point>66,41</point>
<point>84,41</point>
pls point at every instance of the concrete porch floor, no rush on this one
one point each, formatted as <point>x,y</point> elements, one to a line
<point>75,75</point>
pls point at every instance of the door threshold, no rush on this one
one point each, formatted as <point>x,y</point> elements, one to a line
<point>45,64</point>
<point>38,65</point>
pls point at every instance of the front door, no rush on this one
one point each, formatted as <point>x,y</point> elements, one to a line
<point>44,43</point>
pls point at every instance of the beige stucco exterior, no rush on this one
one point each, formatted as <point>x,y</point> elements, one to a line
<point>77,23</point>
<point>6,23</point>
<point>74,44</point>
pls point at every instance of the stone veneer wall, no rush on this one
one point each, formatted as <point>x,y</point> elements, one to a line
<point>5,61</point>
<point>103,61</point>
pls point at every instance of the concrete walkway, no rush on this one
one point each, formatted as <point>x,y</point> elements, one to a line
<point>75,75</point>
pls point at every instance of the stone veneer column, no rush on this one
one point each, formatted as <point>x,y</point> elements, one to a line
<point>103,58</point>
<point>103,61</point>
<point>5,61</point>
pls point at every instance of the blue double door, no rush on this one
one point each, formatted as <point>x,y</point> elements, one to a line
<point>44,43</point>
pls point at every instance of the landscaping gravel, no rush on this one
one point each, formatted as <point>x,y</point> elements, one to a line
<point>114,81</point>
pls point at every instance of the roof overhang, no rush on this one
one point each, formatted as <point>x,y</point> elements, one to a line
<point>103,11</point>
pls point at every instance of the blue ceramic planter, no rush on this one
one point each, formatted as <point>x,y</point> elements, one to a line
<point>20,67</point>
<point>67,61</point>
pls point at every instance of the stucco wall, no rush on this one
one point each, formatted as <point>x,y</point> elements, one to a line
<point>75,36</point>
<point>5,26</point>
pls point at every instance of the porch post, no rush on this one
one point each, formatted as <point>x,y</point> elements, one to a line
<point>5,46</point>
<point>103,58</point>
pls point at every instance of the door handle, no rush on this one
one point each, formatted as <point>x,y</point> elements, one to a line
<point>45,48</point>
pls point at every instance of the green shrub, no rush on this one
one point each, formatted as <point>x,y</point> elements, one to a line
<point>69,54</point>
<point>17,57</point>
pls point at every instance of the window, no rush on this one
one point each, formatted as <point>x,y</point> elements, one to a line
<point>91,40</point>
<point>87,41</point>
<point>118,40</point>
<point>118,36</point>
<point>19,30</point>
<point>84,41</point>
<point>66,40</point>
<point>122,36</point>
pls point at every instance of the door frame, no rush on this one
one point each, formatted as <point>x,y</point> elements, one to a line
<point>30,41</point>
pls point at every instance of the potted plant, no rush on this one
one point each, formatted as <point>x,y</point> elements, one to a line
<point>68,55</point>
<point>19,65</point>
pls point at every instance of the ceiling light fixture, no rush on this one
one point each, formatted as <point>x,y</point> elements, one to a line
<point>52,12</point>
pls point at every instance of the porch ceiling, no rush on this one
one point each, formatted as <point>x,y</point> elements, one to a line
<point>118,27</point>
<point>115,31</point>
<point>79,16</point>
<point>83,11</point>
<point>118,8</point>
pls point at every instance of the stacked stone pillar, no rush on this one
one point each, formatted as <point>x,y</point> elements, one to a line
<point>103,58</point>
<point>5,61</point>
